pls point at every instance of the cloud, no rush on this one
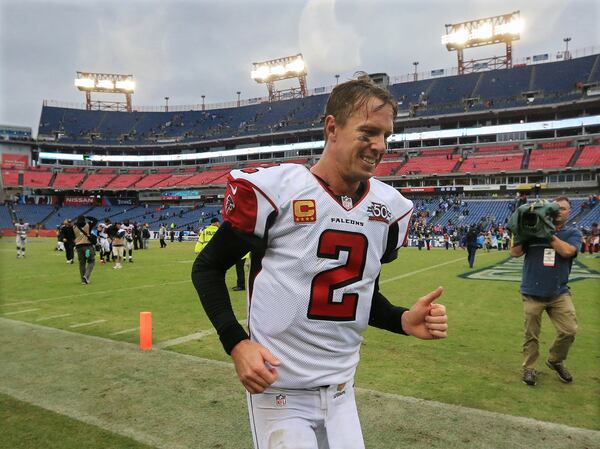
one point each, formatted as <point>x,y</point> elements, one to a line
<point>327,44</point>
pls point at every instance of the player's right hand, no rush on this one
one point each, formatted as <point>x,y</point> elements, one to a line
<point>255,366</point>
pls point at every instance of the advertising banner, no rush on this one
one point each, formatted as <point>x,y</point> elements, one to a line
<point>79,200</point>
<point>18,161</point>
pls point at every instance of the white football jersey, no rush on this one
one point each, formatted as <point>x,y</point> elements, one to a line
<point>310,296</point>
<point>128,230</point>
<point>102,230</point>
<point>21,229</point>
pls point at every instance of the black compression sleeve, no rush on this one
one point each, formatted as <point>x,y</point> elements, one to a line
<point>208,275</point>
<point>385,315</point>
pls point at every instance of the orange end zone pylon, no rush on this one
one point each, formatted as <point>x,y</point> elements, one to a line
<point>145,330</point>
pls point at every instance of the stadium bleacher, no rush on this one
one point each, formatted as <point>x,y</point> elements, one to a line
<point>589,157</point>
<point>67,180</point>
<point>555,81</point>
<point>554,158</point>
<point>33,213</point>
<point>5,217</point>
<point>484,212</point>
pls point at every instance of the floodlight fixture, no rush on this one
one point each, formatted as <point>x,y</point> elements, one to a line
<point>89,82</point>
<point>278,69</point>
<point>268,72</point>
<point>503,29</point>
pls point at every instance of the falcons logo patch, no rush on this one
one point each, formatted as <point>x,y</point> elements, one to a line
<point>229,205</point>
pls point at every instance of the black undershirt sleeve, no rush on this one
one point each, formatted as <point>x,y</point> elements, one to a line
<point>384,315</point>
<point>225,248</point>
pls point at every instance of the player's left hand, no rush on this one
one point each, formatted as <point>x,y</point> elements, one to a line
<point>426,320</point>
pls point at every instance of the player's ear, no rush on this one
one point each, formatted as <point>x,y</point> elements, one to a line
<point>331,127</point>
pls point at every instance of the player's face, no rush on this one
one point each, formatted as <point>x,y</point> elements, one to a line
<point>361,143</point>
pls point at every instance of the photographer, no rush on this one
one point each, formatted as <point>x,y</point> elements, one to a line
<point>546,270</point>
<point>84,244</point>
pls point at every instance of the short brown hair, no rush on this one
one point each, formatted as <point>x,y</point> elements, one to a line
<point>562,198</point>
<point>348,97</point>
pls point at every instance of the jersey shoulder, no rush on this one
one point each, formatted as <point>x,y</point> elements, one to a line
<point>277,183</point>
<point>399,205</point>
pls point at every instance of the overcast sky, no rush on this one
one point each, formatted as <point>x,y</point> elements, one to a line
<point>185,49</point>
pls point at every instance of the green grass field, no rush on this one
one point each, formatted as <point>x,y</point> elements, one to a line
<point>72,376</point>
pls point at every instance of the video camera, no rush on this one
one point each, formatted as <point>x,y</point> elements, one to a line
<point>533,221</point>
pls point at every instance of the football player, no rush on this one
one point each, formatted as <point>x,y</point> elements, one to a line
<point>318,238</point>
<point>129,235</point>
<point>21,231</point>
<point>103,241</point>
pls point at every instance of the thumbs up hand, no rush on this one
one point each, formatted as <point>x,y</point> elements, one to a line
<point>426,320</point>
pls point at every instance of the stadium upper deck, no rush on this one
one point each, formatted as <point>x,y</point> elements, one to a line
<point>520,87</point>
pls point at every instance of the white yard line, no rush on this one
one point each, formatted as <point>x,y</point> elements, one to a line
<point>431,267</point>
<point>19,311</point>
<point>100,292</point>
<point>125,331</point>
<point>91,323</point>
<point>53,316</point>
<point>190,337</point>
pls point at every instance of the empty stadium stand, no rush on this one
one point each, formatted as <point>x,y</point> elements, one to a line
<point>68,180</point>
<point>555,158</point>
<point>6,220</point>
<point>493,163</point>
<point>590,156</point>
<point>428,165</point>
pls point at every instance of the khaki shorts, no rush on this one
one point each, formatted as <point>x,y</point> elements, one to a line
<point>118,251</point>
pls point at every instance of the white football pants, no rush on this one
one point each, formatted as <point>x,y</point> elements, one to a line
<point>323,418</point>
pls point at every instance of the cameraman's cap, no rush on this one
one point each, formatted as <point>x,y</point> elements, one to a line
<point>214,220</point>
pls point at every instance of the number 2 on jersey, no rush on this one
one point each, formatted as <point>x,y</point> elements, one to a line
<point>331,243</point>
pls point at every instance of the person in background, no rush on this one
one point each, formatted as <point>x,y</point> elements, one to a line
<point>129,239</point>
<point>84,244</point>
<point>206,234</point>
<point>67,236</point>
<point>145,236</point>
<point>104,241</point>
<point>240,274</point>
<point>544,288</point>
<point>21,229</point>
<point>117,235</point>
<point>162,235</point>
<point>471,244</point>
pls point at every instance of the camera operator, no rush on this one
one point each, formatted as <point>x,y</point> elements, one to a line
<point>546,271</point>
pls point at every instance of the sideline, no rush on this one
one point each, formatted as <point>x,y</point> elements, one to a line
<point>111,384</point>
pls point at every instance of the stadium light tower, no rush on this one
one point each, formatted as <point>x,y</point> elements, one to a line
<point>502,29</point>
<point>566,40</point>
<point>267,72</point>
<point>110,83</point>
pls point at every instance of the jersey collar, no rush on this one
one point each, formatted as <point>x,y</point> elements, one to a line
<point>342,200</point>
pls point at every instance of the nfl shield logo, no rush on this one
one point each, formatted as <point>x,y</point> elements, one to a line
<point>346,202</point>
<point>280,400</point>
